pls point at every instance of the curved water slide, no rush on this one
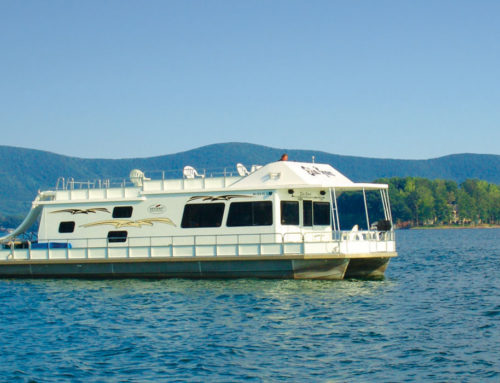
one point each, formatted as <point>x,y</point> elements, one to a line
<point>32,216</point>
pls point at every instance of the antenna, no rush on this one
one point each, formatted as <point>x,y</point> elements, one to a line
<point>313,159</point>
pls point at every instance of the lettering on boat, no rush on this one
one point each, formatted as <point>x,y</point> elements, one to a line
<point>157,209</point>
<point>315,171</point>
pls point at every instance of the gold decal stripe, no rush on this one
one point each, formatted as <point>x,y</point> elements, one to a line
<point>118,223</point>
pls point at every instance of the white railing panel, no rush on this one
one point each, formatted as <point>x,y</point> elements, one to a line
<point>206,250</point>
<point>77,253</point>
<point>292,248</point>
<point>97,252</point>
<point>161,251</point>
<point>139,252</point>
<point>118,252</point>
<point>227,250</point>
<point>39,254</point>
<point>271,249</point>
<point>249,249</point>
<point>58,253</point>
<point>183,251</point>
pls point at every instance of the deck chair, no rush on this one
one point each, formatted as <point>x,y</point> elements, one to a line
<point>190,172</point>
<point>242,170</point>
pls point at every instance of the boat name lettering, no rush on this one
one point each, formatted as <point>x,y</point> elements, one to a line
<point>314,171</point>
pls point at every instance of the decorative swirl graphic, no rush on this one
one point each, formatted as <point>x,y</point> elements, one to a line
<point>82,211</point>
<point>118,223</point>
<point>218,197</point>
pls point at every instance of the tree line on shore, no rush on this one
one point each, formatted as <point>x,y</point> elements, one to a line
<point>423,202</point>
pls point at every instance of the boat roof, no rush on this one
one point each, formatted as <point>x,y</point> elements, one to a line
<point>282,174</point>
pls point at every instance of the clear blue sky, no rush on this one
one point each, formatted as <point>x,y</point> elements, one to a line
<point>121,79</point>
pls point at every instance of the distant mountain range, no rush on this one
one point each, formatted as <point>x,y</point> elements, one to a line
<point>24,171</point>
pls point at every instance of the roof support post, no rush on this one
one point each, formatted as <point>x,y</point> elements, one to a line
<point>366,210</point>
<point>335,210</point>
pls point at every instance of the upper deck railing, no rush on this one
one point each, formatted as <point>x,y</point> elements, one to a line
<point>149,177</point>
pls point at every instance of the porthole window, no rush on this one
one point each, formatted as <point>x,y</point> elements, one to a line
<point>67,227</point>
<point>122,212</point>
<point>117,236</point>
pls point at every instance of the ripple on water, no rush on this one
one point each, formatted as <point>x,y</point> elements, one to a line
<point>434,318</point>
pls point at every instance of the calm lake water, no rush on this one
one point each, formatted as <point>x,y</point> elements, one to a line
<point>435,317</point>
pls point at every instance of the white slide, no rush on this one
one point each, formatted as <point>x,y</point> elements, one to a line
<point>32,216</point>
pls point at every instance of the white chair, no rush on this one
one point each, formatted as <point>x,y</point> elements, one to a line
<point>137,177</point>
<point>190,172</point>
<point>255,167</point>
<point>242,170</point>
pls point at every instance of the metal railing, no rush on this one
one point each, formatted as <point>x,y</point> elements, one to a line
<point>236,245</point>
<point>154,175</point>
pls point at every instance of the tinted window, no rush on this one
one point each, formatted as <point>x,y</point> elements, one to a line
<point>122,212</point>
<point>203,215</point>
<point>321,213</point>
<point>289,213</point>
<point>250,214</point>
<point>67,227</point>
<point>117,236</point>
<point>307,210</point>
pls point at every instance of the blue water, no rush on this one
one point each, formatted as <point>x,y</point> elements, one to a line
<point>436,317</point>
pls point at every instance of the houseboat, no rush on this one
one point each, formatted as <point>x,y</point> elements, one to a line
<point>282,220</point>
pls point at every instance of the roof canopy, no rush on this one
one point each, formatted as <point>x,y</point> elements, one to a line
<point>300,174</point>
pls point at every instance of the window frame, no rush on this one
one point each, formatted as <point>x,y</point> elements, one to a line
<point>290,213</point>
<point>118,236</point>
<point>63,224</point>
<point>255,217</point>
<point>187,215</point>
<point>122,211</point>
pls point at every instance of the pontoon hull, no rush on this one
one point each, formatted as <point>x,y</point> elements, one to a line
<point>271,268</point>
<point>367,268</point>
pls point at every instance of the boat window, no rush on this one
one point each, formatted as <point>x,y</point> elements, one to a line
<point>67,227</point>
<point>122,212</point>
<point>321,213</point>
<point>307,213</point>
<point>250,214</point>
<point>117,236</point>
<point>202,215</point>
<point>289,212</point>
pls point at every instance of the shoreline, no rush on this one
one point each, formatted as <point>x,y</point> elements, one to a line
<point>453,227</point>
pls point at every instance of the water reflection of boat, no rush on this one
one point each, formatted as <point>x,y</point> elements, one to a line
<point>281,220</point>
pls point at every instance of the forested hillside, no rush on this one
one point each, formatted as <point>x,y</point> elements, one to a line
<point>25,171</point>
